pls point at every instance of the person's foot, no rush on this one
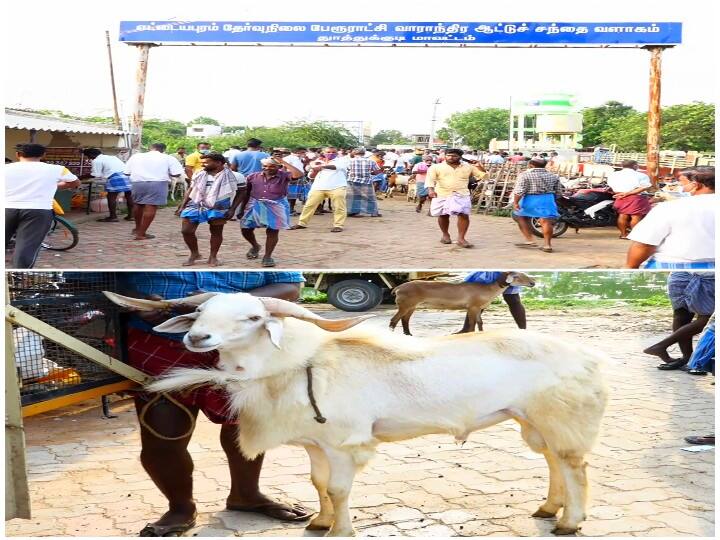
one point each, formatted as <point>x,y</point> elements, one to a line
<point>446,240</point>
<point>660,352</point>
<point>376,215</point>
<point>146,236</point>
<point>128,218</point>
<point>253,252</point>
<point>191,259</point>
<point>172,523</point>
<point>677,364</point>
<point>464,244</point>
<point>264,505</point>
<point>418,209</point>
<point>623,237</point>
<point>268,262</point>
<point>705,439</point>
<point>296,227</point>
<point>108,220</point>
<point>546,249</point>
<point>526,245</point>
<point>697,372</point>
<point>354,214</point>
<point>214,261</point>
<point>336,229</point>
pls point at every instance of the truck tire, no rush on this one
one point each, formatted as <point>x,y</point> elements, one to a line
<point>354,295</point>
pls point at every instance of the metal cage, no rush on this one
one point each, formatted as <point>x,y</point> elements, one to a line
<point>73,303</point>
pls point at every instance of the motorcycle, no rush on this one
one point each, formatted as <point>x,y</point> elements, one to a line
<point>582,209</point>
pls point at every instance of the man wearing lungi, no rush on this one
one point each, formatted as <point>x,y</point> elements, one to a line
<point>361,197</point>
<point>265,205</point>
<point>628,184</point>
<point>534,197</point>
<point>166,423</point>
<point>110,169</point>
<point>213,198</point>
<point>692,295</point>
<point>150,175</point>
<point>299,187</point>
<point>447,185</point>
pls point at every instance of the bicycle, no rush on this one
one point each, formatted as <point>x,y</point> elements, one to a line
<point>63,234</point>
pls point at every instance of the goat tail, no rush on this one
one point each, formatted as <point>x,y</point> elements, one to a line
<point>186,378</point>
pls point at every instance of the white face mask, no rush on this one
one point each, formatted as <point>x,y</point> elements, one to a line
<point>689,187</point>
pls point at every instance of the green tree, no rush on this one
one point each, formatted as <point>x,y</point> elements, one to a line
<point>478,127</point>
<point>688,126</point>
<point>204,120</point>
<point>388,136</point>
<point>596,119</point>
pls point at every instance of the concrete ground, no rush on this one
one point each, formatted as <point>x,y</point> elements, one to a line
<point>400,239</point>
<point>86,479</point>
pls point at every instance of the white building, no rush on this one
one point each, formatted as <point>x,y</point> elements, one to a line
<point>553,121</point>
<point>203,130</point>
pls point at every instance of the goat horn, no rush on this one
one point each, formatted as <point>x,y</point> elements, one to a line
<point>283,308</point>
<point>143,304</point>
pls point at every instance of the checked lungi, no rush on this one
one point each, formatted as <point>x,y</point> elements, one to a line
<point>118,183</point>
<point>693,291</point>
<point>298,189</point>
<point>273,214</point>
<point>155,355</point>
<point>361,199</point>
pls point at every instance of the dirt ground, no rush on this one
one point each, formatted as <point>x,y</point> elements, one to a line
<point>400,239</point>
<point>86,479</point>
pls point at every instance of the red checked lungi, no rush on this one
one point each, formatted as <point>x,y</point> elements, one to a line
<point>156,355</point>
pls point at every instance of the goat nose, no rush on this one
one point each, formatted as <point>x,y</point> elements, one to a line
<point>195,338</point>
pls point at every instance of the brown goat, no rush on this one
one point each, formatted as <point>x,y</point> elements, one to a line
<point>473,297</point>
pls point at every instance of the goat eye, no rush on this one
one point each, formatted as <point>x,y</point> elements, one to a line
<point>254,318</point>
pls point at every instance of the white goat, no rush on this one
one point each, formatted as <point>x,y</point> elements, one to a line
<point>375,387</point>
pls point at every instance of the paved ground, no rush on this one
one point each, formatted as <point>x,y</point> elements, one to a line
<point>399,239</point>
<point>86,479</point>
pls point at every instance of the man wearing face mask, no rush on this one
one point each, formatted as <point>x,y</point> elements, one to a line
<point>193,162</point>
<point>166,426</point>
<point>330,182</point>
<point>679,234</point>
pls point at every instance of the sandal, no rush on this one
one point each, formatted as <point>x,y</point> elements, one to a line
<point>253,253</point>
<point>443,241</point>
<point>546,249</point>
<point>146,237</point>
<point>152,529</point>
<point>694,439</point>
<point>526,245</point>
<point>107,220</point>
<point>677,364</point>
<point>304,514</point>
<point>268,262</point>
<point>296,227</point>
<point>336,229</point>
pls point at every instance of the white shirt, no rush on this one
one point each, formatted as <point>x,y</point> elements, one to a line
<point>105,166</point>
<point>328,179</point>
<point>231,153</point>
<point>390,158</point>
<point>152,166</point>
<point>240,177</point>
<point>295,161</point>
<point>683,230</point>
<point>493,158</point>
<point>627,180</point>
<point>32,184</point>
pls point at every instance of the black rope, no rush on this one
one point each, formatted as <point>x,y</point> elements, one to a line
<point>319,418</point>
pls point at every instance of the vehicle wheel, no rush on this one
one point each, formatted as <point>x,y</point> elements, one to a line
<point>62,236</point>
<point>354,295</point>
<point>558,230</point>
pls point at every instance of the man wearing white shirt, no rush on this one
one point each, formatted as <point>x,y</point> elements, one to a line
<point>150,175</point>
<point>679,234</point>
<point>628,184</point>
<point>330,182</point>
<point>231,152</point>
<point>30,187</point>
<point>111,170</point>
<point>391,158</point>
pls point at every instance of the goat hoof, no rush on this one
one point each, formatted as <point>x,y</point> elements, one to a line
<point>319,526</point>
<point>544,514</point>
<point>349,532</point>
<point>564,531</point>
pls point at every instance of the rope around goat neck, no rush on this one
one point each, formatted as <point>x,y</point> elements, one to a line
<point>319,418</point>
<point>143,423</point>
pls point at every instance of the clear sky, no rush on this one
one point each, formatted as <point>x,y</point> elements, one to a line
<point>57,60</point>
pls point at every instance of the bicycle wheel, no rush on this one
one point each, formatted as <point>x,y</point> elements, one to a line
<point>63,235</point>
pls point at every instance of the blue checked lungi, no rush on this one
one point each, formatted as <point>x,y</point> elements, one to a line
<point>694,291</point>
<point>382,178</point>
<point>118,182</point>
<point>273,214</point>
<point>420,189</point>
<point>652,264</point>
<point>198,214</point>
<point>361,199</point>
<point>703,357</point>
<point>298,189</point>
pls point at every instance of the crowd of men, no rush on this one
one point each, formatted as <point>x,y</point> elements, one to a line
<point>262,189</point>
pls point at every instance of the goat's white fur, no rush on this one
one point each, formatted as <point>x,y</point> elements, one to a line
<point>373,387</point>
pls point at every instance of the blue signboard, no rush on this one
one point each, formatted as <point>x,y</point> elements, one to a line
<point>402,33</point>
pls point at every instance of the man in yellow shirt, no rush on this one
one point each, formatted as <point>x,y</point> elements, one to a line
<point>447,185</point>
<point>193,162</point>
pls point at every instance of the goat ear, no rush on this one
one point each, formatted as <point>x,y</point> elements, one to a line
<point>177,325</point>
<point>511,277</point>
<point>274,326</point>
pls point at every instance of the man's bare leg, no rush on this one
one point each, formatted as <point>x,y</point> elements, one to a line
<point>188,231</point>
<point>216,240</point>
<point>444,224</point>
